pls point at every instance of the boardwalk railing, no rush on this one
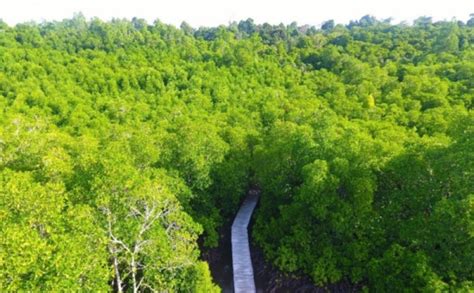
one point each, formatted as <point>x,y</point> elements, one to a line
<point>241,260</point>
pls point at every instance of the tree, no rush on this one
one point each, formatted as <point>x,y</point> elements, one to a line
<point>470,22</point>
<point>248,27</point>
<point>328,25</point>
<point>186,28</point>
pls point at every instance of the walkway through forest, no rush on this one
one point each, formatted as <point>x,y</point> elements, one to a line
<point>241,260</point>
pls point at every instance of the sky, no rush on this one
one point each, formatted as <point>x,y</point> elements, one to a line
<point>215,12</point>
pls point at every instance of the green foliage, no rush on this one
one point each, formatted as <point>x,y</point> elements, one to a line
<point>47,245</point>
<point>123,142</point>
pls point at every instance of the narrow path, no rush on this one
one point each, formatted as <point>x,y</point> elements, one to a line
<point>241,260</point>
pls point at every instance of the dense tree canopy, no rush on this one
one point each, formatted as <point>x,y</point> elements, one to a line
<point>122,142</point>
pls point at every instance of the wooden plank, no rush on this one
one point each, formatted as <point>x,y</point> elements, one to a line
<point>241,259</point>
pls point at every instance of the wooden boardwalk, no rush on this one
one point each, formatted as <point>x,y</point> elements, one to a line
<point>241,260</point>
